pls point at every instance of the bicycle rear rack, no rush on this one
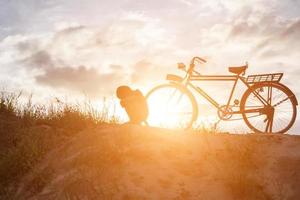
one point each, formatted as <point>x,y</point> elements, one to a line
<point>276,77</point>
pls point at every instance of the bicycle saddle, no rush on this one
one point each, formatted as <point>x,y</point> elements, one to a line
<point>238,70</point>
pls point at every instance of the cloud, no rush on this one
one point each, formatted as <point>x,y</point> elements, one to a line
<point>82,79</point>
<point>263,35</point>
<point>143,40</point>
<point>57,74</point>
<point>86,59</point>
<point>280,43</point>
<point>40,59</point>
<point>292,30</point>
<point>142,69</point>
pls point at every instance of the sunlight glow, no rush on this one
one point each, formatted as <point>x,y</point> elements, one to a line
<point>169,108</point>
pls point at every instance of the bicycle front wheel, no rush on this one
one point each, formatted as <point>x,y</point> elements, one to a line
<point>171,106</point>
<point>269,108</point>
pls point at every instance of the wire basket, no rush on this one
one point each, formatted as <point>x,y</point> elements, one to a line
<point>276,77</point>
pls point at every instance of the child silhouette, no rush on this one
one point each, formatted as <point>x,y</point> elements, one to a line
<point>134,103</point>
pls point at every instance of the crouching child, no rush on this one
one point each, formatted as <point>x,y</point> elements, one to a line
<point>135,104</point>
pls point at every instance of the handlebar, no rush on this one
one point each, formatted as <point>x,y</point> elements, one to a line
<point>190,70</point>
<point>202,60</point>
<point>192,65</point>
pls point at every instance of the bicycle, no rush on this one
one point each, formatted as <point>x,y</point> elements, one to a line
<point>266,106</point>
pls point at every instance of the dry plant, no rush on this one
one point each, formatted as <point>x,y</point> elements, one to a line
<point>28,131</point>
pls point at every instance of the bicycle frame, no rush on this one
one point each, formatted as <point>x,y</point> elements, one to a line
<point>212,78</point>
<point>234,78</point>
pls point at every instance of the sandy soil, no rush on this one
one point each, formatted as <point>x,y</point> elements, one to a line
<point>133,162</point>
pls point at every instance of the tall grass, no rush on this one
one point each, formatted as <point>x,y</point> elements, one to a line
<point>28,131</point>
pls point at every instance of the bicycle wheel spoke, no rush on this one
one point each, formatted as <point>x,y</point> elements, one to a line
<point>282,101</point>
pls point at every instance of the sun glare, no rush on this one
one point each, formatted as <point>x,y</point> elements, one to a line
<point>169,107</point>
<point>159,113</point>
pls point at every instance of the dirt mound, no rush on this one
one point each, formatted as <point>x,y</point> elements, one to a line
<point>132,162</point>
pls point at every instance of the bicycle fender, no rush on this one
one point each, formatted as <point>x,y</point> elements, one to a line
<point>293,96</point>
<point>173,77</point>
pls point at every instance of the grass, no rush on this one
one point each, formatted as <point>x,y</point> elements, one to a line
<point>28,132</point>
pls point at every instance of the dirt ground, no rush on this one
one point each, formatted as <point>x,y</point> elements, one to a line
<point>133,162</point>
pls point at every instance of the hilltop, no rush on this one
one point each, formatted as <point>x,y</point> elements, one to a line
<point>135,162</point>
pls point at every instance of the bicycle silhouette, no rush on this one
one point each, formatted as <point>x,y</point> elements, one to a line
<point>266,106</point>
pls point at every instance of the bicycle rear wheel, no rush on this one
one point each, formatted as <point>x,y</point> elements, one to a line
<point>171,106</point>
<point>274,113</point>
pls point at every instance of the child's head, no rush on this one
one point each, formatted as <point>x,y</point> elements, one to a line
<point>123,91</point>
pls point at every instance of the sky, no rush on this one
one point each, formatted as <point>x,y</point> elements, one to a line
<point>75,47</point>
